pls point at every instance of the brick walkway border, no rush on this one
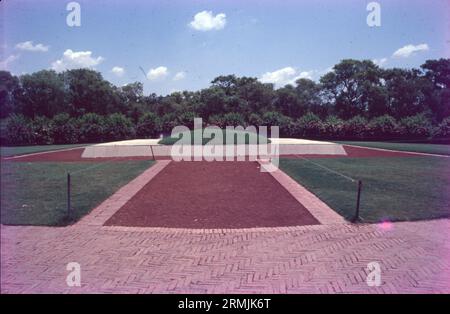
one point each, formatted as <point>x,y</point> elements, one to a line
<point>210,231</point>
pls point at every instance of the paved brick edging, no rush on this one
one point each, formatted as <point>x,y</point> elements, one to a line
<point>105,210</point>
<point>321,211</point>
<point>211,231</point>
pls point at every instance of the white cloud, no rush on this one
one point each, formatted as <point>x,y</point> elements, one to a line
<point>118,71</point>
<point>409,50</point>
<point>380,62</point>
<point>157,73</point>
<point>5,62</point>
<point>29,46</point>
<point>75,60</point>
<point>179,76</point>
<point>284,76</point>
<point>206,21</point>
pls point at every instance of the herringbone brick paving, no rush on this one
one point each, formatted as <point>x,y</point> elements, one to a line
<point>414,257</point>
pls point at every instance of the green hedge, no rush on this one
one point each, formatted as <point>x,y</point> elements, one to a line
<point>91,127</point>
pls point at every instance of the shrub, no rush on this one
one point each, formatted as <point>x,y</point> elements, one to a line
<point>63,129</point>
<point>274,118</point>
<point>443,129</point>
<point>3,138</point>
<point>228,119</point>
<point>19,130</point>
<point>308,125</point>
<point>216,120</point>
<point>118,127</point>
<point>233,119</point>
<point>149,125</point>
<point>383,127</point>
<point>168,122</point>
<point>333,127</point>
<point>416,126</point>
<point>91,128</point>
<point>355,128</point>
<point>41,127</point>
<point>255,119</point>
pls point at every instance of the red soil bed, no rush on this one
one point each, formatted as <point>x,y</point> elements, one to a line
<point>212,195</point>
<point>67,156</point>
<point>358,152</point>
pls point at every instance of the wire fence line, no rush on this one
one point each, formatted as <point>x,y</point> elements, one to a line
<point>356,217</point>
<point>86,183</point>
<point>328,169</point>
<point>97,165</point>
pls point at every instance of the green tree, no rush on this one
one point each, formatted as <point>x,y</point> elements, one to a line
<point>308,94</point>
<point>41,94</point>
<point>405,95</point>
<point>351,86</point>
<point>9,85</point>
<point>288,103</point>
<point>212,102</point>
<point>87,91</point>
<point>132,102</point>
<point>437,93</point>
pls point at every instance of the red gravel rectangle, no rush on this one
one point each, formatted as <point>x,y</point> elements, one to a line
<point>357,152</point>
<point>202,194</point>
<point>69,155</point>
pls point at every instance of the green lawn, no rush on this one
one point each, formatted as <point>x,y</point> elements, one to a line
<point>439,149</point>
<point>225,133</point>
<point>394,189</point>
<point>35,193</point>
<point>20,150</point>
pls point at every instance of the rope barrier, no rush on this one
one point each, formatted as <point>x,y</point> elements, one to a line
<point>328,169</point>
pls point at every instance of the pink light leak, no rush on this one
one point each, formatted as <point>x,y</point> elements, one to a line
<point>386,225</point>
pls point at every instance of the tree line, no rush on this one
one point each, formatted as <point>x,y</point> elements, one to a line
<point>355,100</point>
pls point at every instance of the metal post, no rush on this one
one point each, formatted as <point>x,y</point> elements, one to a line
<point>68,196</point>
<point>356,218</point>
<point>151,149</point>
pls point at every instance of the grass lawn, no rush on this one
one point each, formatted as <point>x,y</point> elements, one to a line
<point>6,151</point>
<point>225,133</point>
<point>35,193</point>
<point>394,189</point>
<point>439,149</point>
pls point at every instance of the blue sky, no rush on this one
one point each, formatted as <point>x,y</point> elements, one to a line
<point>272,40</point>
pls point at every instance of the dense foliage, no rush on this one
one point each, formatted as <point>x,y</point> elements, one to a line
<point>355,100</point>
